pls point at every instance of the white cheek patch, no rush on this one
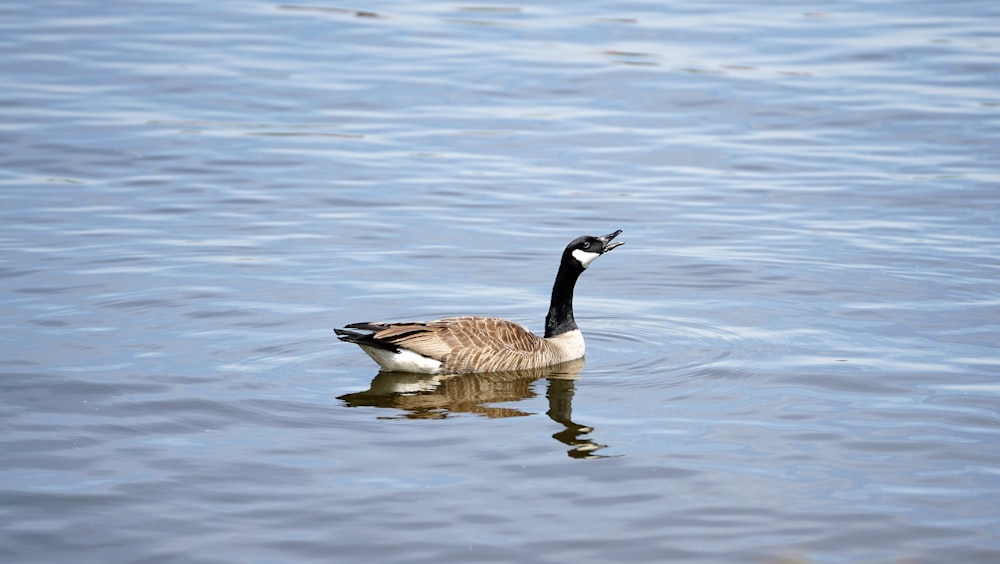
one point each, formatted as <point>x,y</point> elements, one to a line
<point>584,257</point>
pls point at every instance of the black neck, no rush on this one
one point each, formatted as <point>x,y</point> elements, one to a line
<point>560,318</point>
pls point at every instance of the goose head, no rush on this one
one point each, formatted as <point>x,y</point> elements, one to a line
<point>583,250</point>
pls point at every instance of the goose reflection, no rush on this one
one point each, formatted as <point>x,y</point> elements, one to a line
<point>431,396</point>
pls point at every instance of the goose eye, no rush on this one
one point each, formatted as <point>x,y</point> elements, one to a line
<point>586,245</point>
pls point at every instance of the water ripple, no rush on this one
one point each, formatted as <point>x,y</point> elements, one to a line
<point>793,358</point>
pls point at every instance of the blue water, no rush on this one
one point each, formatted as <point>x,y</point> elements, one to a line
<point>794,358</point>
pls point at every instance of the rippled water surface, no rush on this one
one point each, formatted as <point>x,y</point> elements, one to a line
<point>794,358</point>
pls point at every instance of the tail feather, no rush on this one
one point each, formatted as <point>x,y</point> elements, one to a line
<point>366,326</point>
<point>365,339</point>
<point>376,326</point>
<point>348,336</point>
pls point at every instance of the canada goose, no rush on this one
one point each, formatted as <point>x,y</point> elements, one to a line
<point>456,345</point>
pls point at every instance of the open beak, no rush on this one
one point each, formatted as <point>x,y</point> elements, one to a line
<point>606,240</point>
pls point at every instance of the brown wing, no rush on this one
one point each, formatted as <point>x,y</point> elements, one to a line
<point>418,337</point>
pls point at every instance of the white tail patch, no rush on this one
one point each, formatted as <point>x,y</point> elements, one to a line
<point>403,361</point>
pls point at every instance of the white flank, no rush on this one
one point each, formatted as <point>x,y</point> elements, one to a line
<point>403,361</point>
<point>570,343</point>
<point>584,257</point>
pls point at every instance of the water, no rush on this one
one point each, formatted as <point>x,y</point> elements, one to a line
<point>794,358</point>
